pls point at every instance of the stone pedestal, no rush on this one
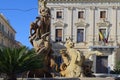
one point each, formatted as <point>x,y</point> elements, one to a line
<point>97,79</point>
<point>61,78</point>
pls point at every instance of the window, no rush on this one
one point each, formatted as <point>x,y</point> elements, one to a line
<point>8,33</point>
<point>59,14</point>
<point>13,37</point>
<point>102,14</point>
<point>0,26</point>
<point>81,14</point>
<point>80,35</point>
<point>58,35</point>
<point>102,34</point>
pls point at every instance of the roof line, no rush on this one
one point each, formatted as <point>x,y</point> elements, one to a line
<point>3,17</point>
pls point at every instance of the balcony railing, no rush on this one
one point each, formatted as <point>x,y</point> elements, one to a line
<point>101,43</point>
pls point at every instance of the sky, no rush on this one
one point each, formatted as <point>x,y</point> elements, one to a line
<point>20,14</point>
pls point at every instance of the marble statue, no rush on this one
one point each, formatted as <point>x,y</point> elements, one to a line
<point>75,64</point>
<point>45,17</point>
<point>40,40</point>
<point>40,29</point>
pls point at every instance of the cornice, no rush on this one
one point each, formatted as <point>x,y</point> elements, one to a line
<point>59,24</point>
<point>81,23</point>
<point>83,1</point>
<point>5,20</point>
<point>103,23</point>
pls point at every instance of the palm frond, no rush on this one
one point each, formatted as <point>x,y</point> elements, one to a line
<point>14,61</point>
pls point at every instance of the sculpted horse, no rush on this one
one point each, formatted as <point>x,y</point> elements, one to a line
<point>75,64</point>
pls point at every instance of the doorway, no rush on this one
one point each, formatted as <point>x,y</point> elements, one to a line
<point>101,64</point>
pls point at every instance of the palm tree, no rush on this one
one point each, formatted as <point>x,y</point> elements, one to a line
<point>15,61</point>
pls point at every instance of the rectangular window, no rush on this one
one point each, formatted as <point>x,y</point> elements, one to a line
<point>59,14</point>
<point>0,26</point>
<point>81,14</point>
<point>8,33</point>
<point>58,35</point>
<point>102,14</point>
<point>102,34</point>
<point>80,35</point>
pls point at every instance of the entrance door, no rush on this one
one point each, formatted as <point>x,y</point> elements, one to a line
<point>101,64</point>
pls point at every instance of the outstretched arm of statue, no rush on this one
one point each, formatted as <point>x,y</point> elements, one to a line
<point>92,53</point>
<point>37,20</point>
<point>31,28</point>
<point>30,32</point>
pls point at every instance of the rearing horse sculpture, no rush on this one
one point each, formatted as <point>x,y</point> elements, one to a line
<point>75,64</point>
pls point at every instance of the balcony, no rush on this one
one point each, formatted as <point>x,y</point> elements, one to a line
<point>100,45</point>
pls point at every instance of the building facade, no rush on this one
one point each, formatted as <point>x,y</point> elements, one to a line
<point>92,25</point>
<point>7,33</point>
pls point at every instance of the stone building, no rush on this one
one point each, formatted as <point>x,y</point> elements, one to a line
<point>7,33</point>
<point>92,25</point>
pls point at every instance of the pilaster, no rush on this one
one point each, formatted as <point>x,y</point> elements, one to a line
<point>113,61</point>
<point>70,21</point>
<point>114,24</point>
<point>92,25</point>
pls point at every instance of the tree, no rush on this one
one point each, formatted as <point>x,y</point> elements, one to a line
<point>117,68</point>
<point>14,61</point>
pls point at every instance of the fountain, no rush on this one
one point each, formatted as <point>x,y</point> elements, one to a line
<point>74,65</point>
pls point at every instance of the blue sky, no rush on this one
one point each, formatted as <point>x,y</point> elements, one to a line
<point>20,14</point>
